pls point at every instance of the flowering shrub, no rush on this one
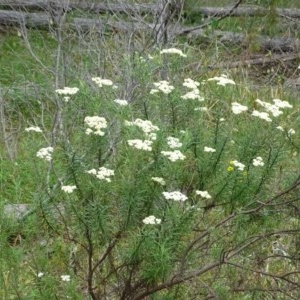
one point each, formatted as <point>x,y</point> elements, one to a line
<point>139,216</point>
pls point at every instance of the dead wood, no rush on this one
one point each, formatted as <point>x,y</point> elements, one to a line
<point>19,19</point>
<point>277,44</point>
<point>246,11</point>
<point>44,21</point>
<point>263,60</point>
<point>43,5</point>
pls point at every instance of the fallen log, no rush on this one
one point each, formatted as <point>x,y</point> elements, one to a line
<point>277,44</point>
<point>19,19</point>
<point>44,21</point>
<point>263,60</point>
<point>85,25</point>
<point>44,5</point>
<point>246,11</point>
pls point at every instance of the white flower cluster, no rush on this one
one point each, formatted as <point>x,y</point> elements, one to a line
<point>33,128</point>
<point>103,82</point>
<point>68,188</point>
<point>291,132</point>
<point>194,94</point>
<point>274,109</point>
<point>66,278</point>
<point>151,220</point>
<point>45,153</point>
<point>67,91</point>
<point>282,104</point>
<point>238,108</point>
<point>173,155</point>
<point>147,127</point>
<point>102,173</point>
<point>190,83</point>
<point>258,162</point>
<point>176,196</point>
<point>237,164</point>
<point>163,86</point>
<point>203,194</point>
<point>173,142</point>
<point>173,51</point>
<point>121,102</point>
<point>280,128</point>
<point>209,149</point>
<point>140,144</point>
<point>262,115</point>
<point>95,124</point>
<point>201,108</point>
<point>160,180</point>
<point>222,80</point>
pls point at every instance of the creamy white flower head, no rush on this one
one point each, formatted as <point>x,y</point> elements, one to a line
<point>190,83</point>
<point>68,188</point>
<point>66,99</point>
<point>275,111</point>
<point>151,220</point>
<point>67,91</point>
<point>40,274</point>
<point>151,136</point>
<point>280,128</point>
<point>262,103</point>
<point>154,91</point>
<point>258,162</point>
<point>222,80</point>
<point>173,142</point>
<point>272,108</point>
<point>209,149</point>
<point>282,104</point>
<point>203,194</point>
<point>201,108</point>
<point>193,95</point>
<point>163,86</point>
<point>159,180</point>
<point>65,277</point>
<point>45,153</point>
<point>262,115</point>
<point>176,196</point>
<point>291,132</point>
<point>146,125</point>
<point>173,51</point>
<point>173,155</point>
<point>102,173</point>
<point>92,172</point>
<point>33,128</point>
<point>101,81</point>
<point>238,108</point>
<point>95,124</point>
<point>238,164</point>
<point>121,102</point>
<point>140,144</point>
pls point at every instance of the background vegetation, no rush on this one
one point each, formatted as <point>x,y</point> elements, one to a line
<point>240,242</point>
